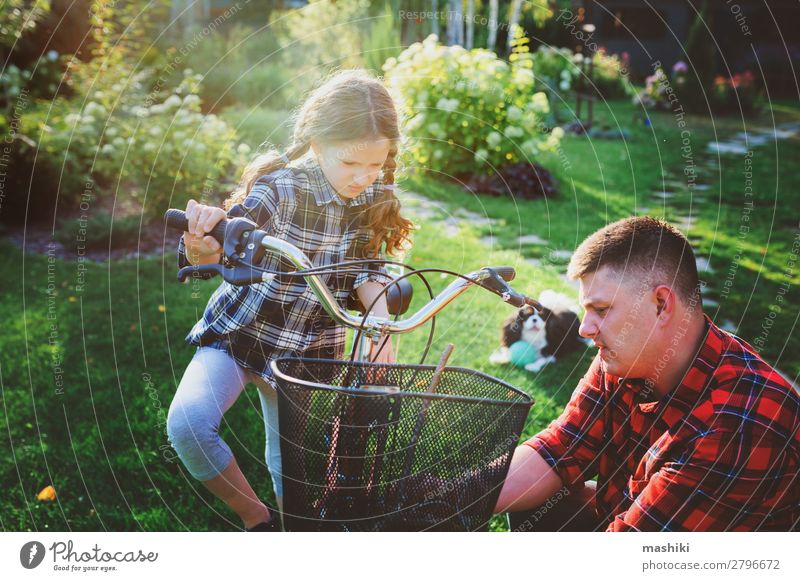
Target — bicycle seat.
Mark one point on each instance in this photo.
(398, 298)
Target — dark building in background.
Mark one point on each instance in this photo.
(756, 35)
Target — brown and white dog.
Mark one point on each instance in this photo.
(551, 332)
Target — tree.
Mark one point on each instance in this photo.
(18, 17)
(470, 24)
(455, 23)
(513, 21)
(701, 54)
(493, 23)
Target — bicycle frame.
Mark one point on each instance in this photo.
(244, 246)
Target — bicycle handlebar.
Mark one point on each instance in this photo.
(227, 233)
(177, 220)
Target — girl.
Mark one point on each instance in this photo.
(331, 195)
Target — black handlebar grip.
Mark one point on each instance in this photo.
(507, 273)
(177, 219)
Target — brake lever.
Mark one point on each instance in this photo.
(238, 275)
(500, 287)
(199, 271)
(242, 250)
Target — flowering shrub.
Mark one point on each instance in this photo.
(41, 80)
(560, 69)
(735, 94)
(653, 96)
(556, 67)
(610, 74)
(727, 95)
(158, 144)
(464, 107)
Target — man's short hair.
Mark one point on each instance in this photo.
(641, 246)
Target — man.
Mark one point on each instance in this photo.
(684, 425)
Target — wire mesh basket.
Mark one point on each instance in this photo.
(366, 447)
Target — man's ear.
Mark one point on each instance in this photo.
(664, 298)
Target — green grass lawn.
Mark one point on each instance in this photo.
(91, 358)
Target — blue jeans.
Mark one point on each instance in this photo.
(210, 385)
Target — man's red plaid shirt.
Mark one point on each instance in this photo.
(721, 452)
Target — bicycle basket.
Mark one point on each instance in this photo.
(366, 448)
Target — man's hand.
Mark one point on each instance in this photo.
(200, 248)
(530, 482)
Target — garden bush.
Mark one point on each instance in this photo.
(610, 75)
(469, 111)
(112, 125)
(157, 144)
(522, 181)
(737, 94)
(557, 68)
(560, 70)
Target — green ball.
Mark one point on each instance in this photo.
(522, 353)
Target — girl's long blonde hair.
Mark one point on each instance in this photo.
(350, 106)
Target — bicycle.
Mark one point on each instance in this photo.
(371, 447)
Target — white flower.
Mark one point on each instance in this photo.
(530, 148)
(112, 131)
(512, 132)
(540, 103)
(558, 133)
(438, 154)
(494, 139)
(119, 142)
(172, 101)
(52, 55)
(92, 107)
(243, 149)
(448, 105)
(514, 113)
(149, 146)
(565, 75)
(182, 117)
(436, 130)
(191, 99)
(72, 119)
(564, 85)
(481, 155)
(155, 130)
(107, 149)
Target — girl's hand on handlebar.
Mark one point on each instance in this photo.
(200, 248)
